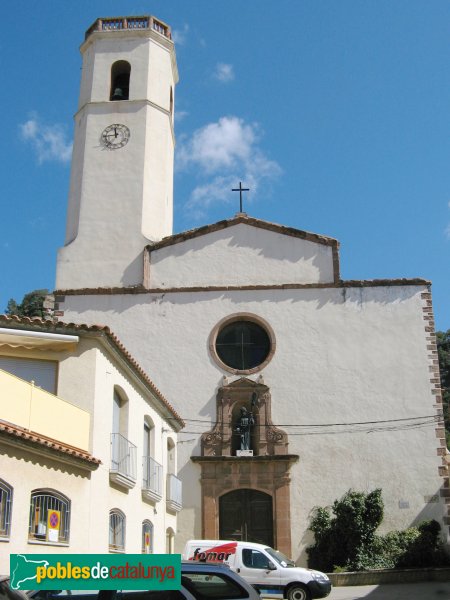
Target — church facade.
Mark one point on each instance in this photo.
(341, 377)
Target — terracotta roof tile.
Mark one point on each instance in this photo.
(42, 440)
(243, 218)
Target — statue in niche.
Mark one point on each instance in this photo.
(243, 426)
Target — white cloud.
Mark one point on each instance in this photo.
(224, 72)
(49, 141)
(180, 115)
(219, 145)
(224, 153)
(179, 35)
(29, 129)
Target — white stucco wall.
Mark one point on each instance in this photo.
(119, 199)
(107, 496)
(241, 255)
(343, 355)
(27, 472)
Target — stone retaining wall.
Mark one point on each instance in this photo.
(377, 577)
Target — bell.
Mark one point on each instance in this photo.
(118, 94)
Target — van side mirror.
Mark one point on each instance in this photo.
(271, 566)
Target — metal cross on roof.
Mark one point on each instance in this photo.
(240, 189)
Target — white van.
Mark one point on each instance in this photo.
(267, 570)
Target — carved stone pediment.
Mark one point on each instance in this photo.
(266, 439)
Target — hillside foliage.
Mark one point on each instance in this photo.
(443, 345)
(346, 540)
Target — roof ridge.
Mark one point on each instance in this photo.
(245, 219)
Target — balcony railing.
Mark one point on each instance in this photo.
(123, 461)
(121, 23)
(152, 480)
(173, 493)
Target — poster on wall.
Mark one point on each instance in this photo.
(53, 525)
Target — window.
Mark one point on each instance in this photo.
(42, 372)
(123, 452)
(254, 559)
(120, 413)
(147, 538)
(171, 453)
(149, 437)
(49, 517)
(152, 595)
(204, 585)
(120, 80)
(151, 470)
(6, 493)
(242, 343)
(74, 594)
(173, 484)
(116, 531)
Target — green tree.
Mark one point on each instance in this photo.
(347, 539)
(416, 547)
(32, 305)
(443, 345)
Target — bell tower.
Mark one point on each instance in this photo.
(121, 187)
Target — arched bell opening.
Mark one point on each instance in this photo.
(120, 80)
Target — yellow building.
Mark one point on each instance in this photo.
(87, 445)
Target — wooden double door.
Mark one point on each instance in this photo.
(246, 515)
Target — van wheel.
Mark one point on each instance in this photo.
(298, 592)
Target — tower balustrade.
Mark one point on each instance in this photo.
(122, 23)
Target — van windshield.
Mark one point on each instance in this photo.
(280, 558)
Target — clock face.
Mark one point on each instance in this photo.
(115, 136)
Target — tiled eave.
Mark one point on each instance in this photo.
(243, 218)
(12, 435)
(140, 289)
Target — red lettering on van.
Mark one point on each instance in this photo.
(219, 553)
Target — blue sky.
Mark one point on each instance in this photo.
(335, 114)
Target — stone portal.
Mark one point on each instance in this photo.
(238, 490)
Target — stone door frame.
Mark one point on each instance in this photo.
(268, 474)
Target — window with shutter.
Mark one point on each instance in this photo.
(42, 372)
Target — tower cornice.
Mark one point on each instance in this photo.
(104, 28)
